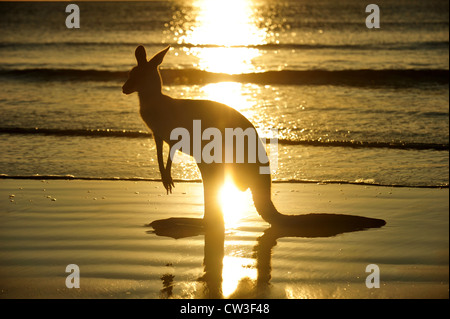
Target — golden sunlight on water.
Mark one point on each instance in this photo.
(223, 38)
(228, 28)
(229, 93)
(235, 269)
(226, 59)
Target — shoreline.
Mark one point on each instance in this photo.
(199, 181)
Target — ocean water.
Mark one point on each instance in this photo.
(351, 104)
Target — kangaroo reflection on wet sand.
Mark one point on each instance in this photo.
(315, 225)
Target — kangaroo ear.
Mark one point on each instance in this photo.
(158, 58)
(141, 55)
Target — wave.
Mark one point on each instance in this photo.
(137, 179)
(76, 132)
(142, 134)
(431, 45)
(357, 77)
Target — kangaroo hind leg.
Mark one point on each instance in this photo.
(213, 180)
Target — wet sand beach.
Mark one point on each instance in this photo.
(103, 228)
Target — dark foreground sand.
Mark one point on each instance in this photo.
(102, 226)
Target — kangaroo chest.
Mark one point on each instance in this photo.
(158, 121)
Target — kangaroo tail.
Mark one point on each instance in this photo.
(321, 223)
(262, 199)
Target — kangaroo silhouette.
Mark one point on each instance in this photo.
(162, 114)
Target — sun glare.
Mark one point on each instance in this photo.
(225, 29)
(234, 204)
(225, 23)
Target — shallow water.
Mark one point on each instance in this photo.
(350, 104)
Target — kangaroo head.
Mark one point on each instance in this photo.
(145, 76)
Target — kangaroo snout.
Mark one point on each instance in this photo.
(126, 89)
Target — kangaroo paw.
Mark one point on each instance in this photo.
(168, 182)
